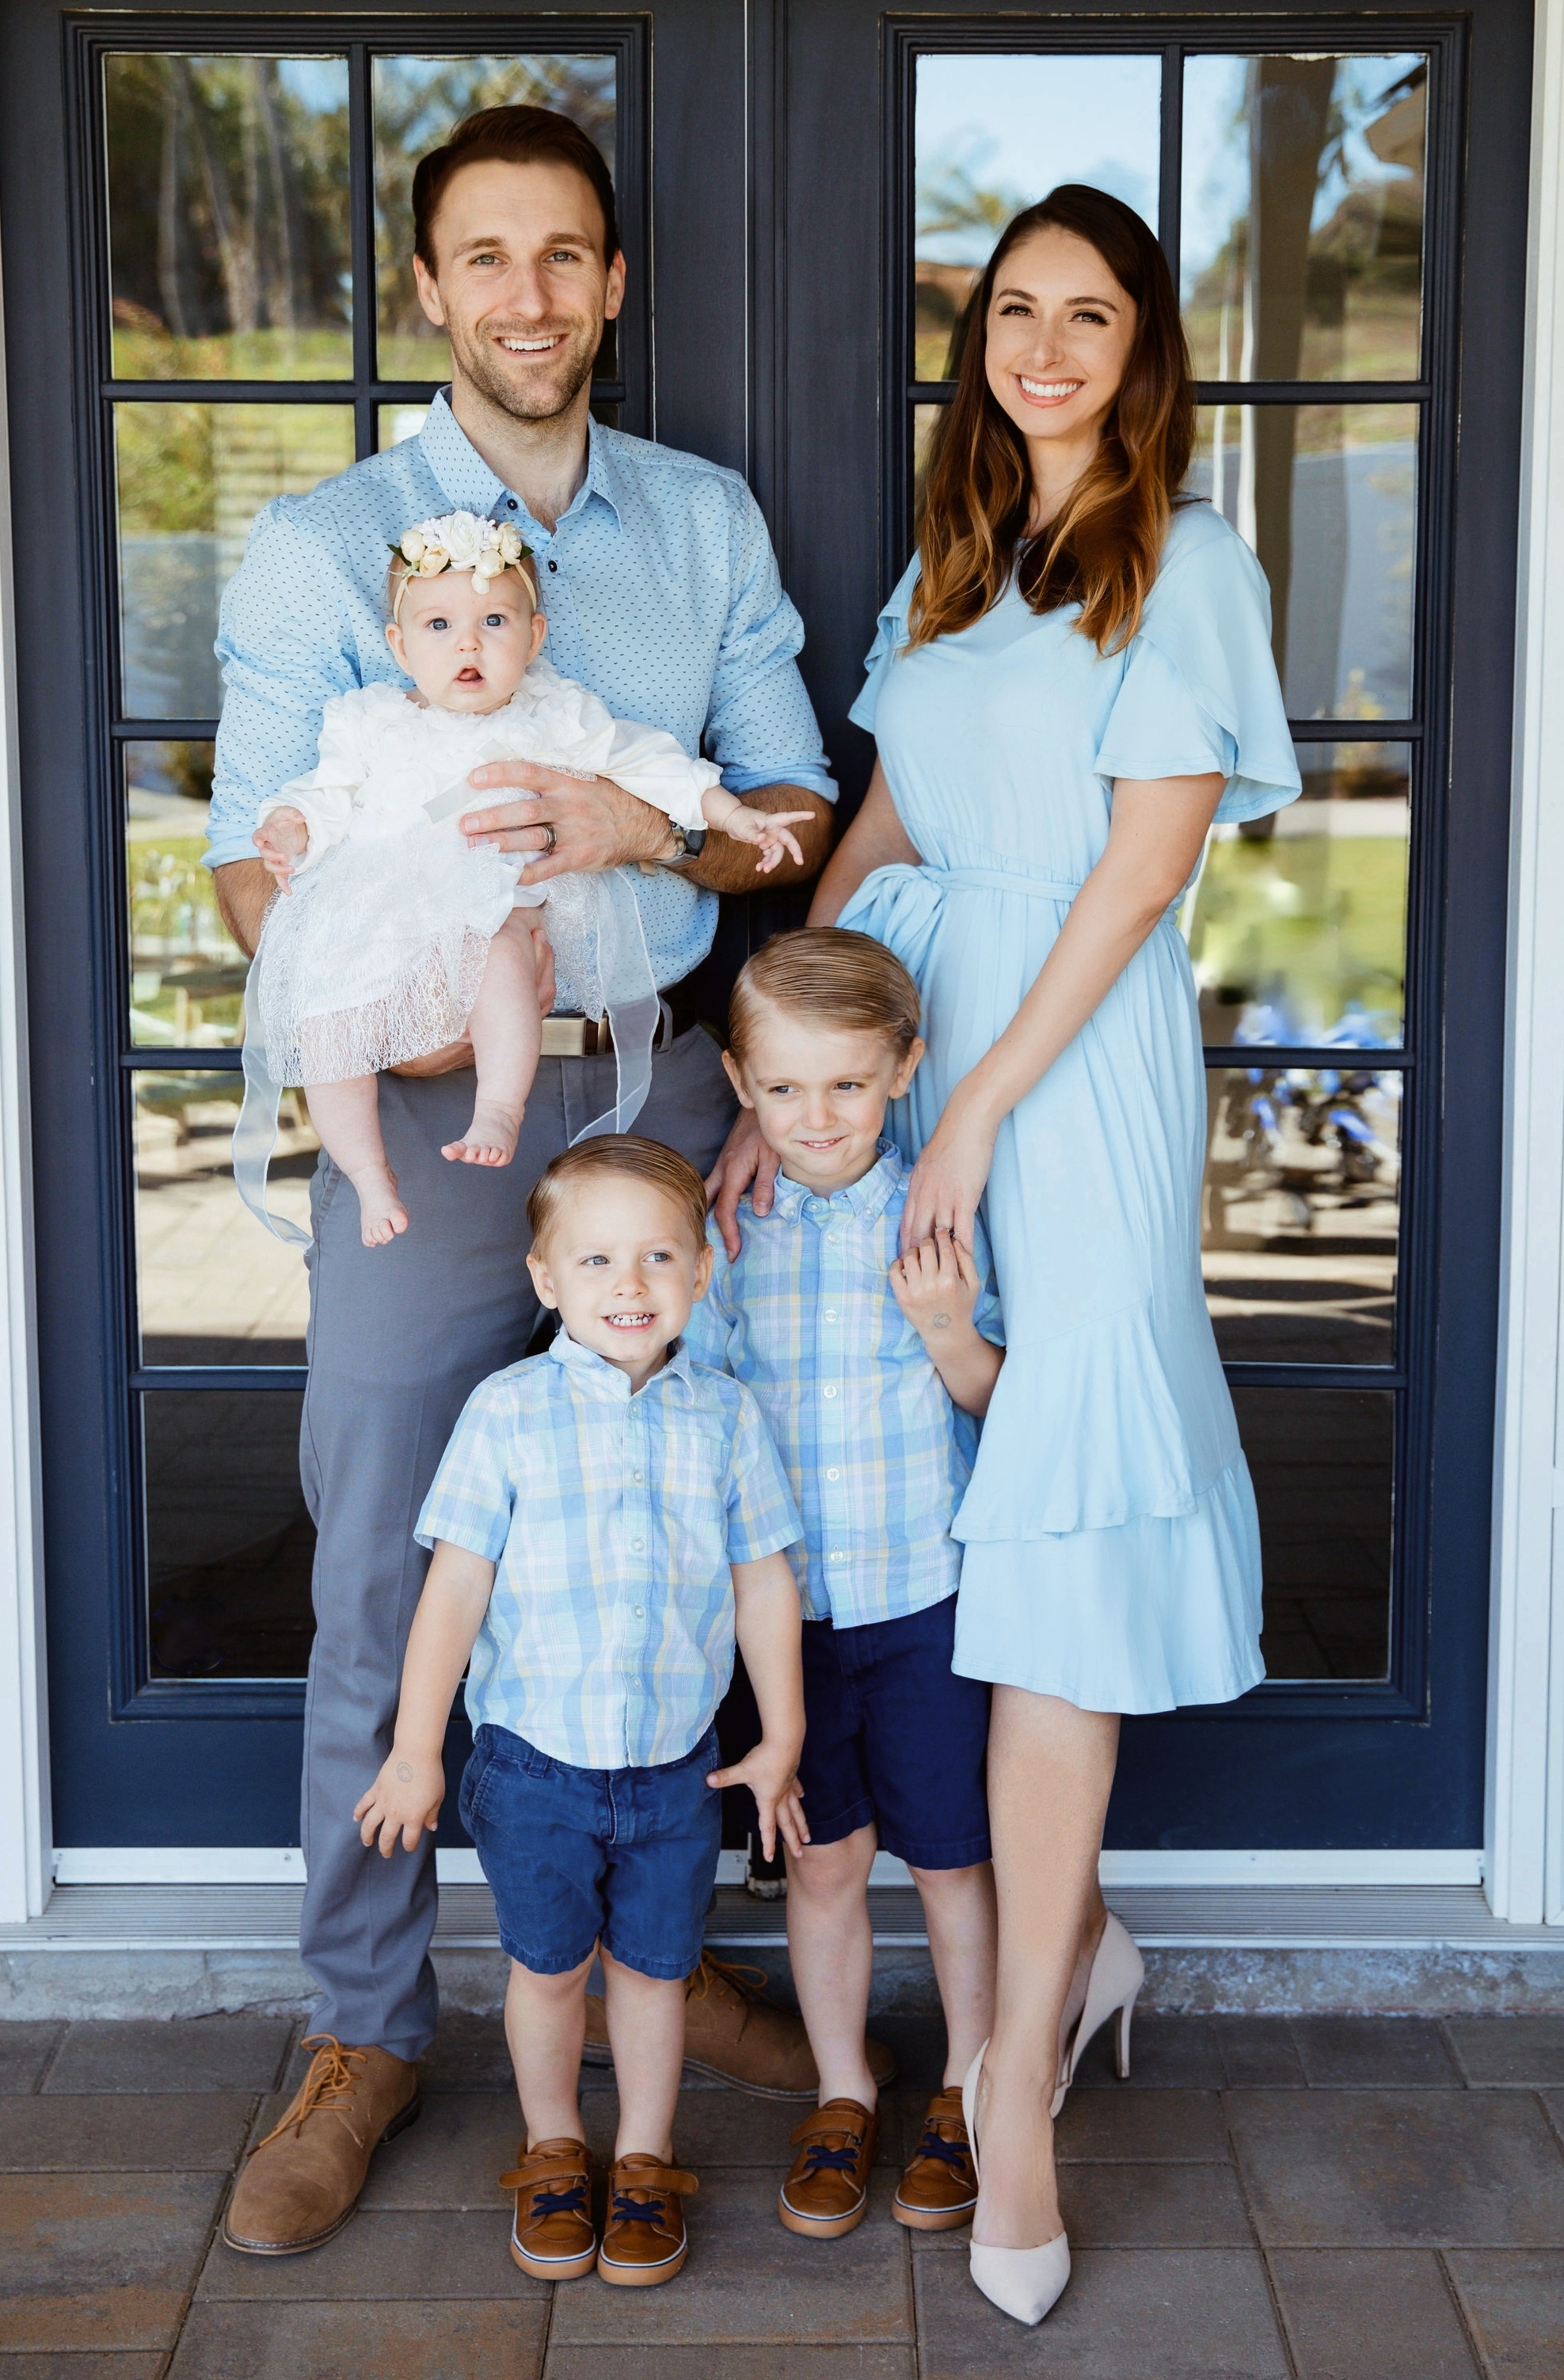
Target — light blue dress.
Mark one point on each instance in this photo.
(1112, 1552)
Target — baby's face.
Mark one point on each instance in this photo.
(819, 1097)
(462, 649)
(619, 1267)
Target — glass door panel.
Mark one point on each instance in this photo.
(1323, 1464)
(230, 1545)
(186, 974)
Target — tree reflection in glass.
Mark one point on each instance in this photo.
(227, 209)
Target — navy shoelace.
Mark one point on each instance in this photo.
(565, 2201)
(627, 2211)
(949, 2151)
(841, 2160)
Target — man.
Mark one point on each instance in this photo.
(663, 595)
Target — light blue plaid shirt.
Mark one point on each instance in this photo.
(662, 595)
(612, 1519)
(877, 1455)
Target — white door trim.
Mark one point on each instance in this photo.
(24, 1738)
(1525, 1799)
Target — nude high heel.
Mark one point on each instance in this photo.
(1023, 2282)
(1112, 1987)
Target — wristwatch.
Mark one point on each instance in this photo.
(689, 843)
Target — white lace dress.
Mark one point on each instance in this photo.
(376, 955)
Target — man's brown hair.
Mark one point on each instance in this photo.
(839, 979)
(626, 1155)
(509, 136)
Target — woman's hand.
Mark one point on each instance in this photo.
(744, 1163)
(951, 1175)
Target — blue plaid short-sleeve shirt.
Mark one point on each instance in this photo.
(612, 1519)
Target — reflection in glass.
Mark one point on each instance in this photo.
(186, 975)
(1297, 924)
(191, 479)
(1302, 228)
(227, 190)
(418, 104)
(212, 1286)
(1323, 1464)
(1300, 1213)
(230, 1547)
(1326, 495)
(995, 134)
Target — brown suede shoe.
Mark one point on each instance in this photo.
(733, 2031)
(826, 2191)
(643, 2240)
(303, 2181)
(938, 2190)
(551, 2237)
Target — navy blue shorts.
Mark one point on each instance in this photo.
(627, 1857)
(894, 1739)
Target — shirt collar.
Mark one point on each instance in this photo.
(606, 1376)
(468, 485)
(866, 1199)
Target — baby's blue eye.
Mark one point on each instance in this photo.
(436, 624)
(494, 620)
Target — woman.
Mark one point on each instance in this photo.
(1072, 681)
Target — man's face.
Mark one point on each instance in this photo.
(521, 286)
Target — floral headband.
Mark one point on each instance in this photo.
(462, 541)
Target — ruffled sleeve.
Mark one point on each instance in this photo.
(1200, 690)
(890, 635)
(325, 794)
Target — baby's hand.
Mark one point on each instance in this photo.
(936, 1286)
(766, 828)
(280, 839)
(404, 1801)
(771, 1777)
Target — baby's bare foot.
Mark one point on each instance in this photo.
(489, 1138)
(381, 1213)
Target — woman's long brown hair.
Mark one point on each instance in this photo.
(1104, 550)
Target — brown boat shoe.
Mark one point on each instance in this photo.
(643, 2239)
(303, 2181)
(551, 2237)
(734, 2032)
(938, 2190)
(826, 2191)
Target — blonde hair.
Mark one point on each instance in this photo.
(838, 979)
(626, 1157)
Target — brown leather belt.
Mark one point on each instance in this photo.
(589, 1037)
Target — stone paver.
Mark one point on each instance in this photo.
(1266, 2199)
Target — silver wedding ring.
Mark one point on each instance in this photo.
(548, 849)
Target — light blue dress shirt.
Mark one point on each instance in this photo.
(613, 1520)
(662, 595)
(877, 1455)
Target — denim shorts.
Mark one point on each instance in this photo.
(894, 1739)
(575, 1857)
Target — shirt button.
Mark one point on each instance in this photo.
(637, 1478)
(837, 1554)
(638, 1544)
(830, 1392)
(554, 565)
(830, 1313)
(510, 503)
(641, 1611)
(833, 1473)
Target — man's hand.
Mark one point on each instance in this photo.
(771, 1775)
(403, 1803)
(744, 1163)
(596, 823)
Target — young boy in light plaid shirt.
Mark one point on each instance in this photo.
(606, 1518)
(870, 1368)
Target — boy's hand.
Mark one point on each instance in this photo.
(936, 1286)
(771, 1777)
(404, 1801)
(281, 840)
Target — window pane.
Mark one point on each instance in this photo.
(212, 1285)
(191, 479)
(417, 103)
(227, 190)
(1303, 216)
(230, 1547)
(1323, 1464)
(1300, 1214)
(1326, 495)
(994, 135)
(1298, 926)
(187, 977)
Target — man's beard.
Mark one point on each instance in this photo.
(571, 370)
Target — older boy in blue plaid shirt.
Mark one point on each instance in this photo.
(605, 1520)
(871, 1368)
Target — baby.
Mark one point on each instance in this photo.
(402, 937)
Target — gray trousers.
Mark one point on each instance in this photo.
(400, 1337)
